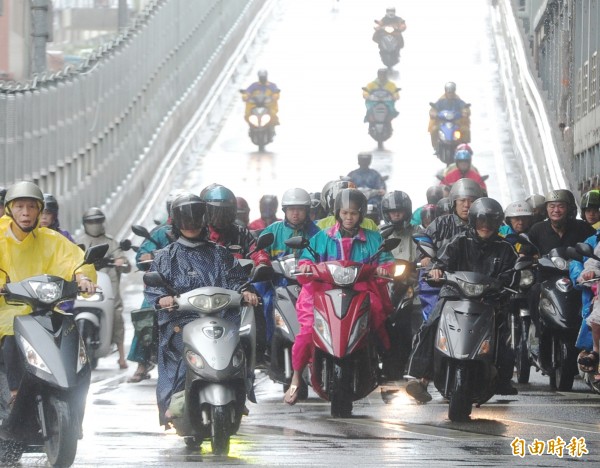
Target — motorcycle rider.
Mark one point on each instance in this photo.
(27, 251)
(243, 212)
(212, 264)
(427, 215)
(518, 219)
(268, 205)
(382, 82)
(443, 207)
(390, 19)
(316, 210)
(263, 87)
(396, 209)
(590, 208)
(328, 196)
(93, 220)
(442, 230)
(366, 178)
(345, 240)
(478, 249)
(463, 170)
(49, 217)
(433, 195)
(450, 101)
(537, 203)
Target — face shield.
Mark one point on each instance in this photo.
(94, 228)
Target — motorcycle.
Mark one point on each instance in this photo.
(467, 338)
(219, 358)
(94, 315)
(390, 43)
(261, 130)
(344, 365)
(552, 348)
(49, 406)
(378, 115)
(449, 133)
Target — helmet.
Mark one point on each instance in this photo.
(518, 208)
(462, 155)
(350, 198)
(434, 194)
(221, 206)
(242, 206)
(565, 196)
(330, 191)
(443, 207)
(536, 201)
(464, 188)
(590, 199)
(24, 189)
(2, 195)
(450, 87)
(50, 204)
(382, 74)
(365, 157)
(428, 214)
(390, 12)
(262, 75)
(465, 146)
(268, 206)
(173, 194)
(187, 212)
(93, 222)
(396, 201)
(487, 209)
(295, 197)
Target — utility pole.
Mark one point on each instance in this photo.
(123, 15)
(41, 32)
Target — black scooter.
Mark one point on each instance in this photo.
(48, 410)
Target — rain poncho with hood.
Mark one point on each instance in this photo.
(186, 265)
(43, 251)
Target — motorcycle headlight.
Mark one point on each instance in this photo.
(399, 270)
(253, 119)
(471, 289)
(280, 322)
(526, 279)
(442, 342)
(238, 358)
(322, 328)
(564, 285)
(46, 292)
(195, 360)
(210, 303)
(560, 263)
(82, 358)
(289, 266)
(457, 134)
(32, 356)
(343, 276)
(547, 306)
(266, 118)
(358, 330)
(96, 297)
(389, 29)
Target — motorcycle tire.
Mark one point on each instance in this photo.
(220, 435)
(11, 452)
(86, 330)
(192, 442)
(522, 363)
(63, 431)
(460, 405)
(341, 402)
(564, 374)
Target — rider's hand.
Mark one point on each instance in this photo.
(425, 262)
(146, 256)
(119, 262)
(305, 268)
(588, 275)
(436, 274)
(85, 285)
(382, 272)
(167, 302)
(250, 298)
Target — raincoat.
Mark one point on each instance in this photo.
(330, 221)
(270, 90)
(186, 266)
(329, 245)
(43, 251)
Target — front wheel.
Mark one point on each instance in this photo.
(220, 430)
(459, 408)
(564, 373)
(341, 406)
(86, 330)
(62, 423)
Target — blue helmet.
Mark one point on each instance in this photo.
(221, 205)
(462, 155)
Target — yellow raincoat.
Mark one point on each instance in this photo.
(43, 251)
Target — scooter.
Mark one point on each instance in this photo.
(449, 133)
(261, 130)
(344, 365)
(94, 315)
(389, 44)
(467, 338)
(47, 412)
(552, 347)
(378, 115)
(219, 356)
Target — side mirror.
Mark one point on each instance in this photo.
(523, 263)
(390, 244)
(584, 249)
(261, 273)
(386, 230)
(485, 177)
(297, 242)
(125, 245)
(265, 240)
(573, 254)
(141, 231)
(95, 253)
(154, 279)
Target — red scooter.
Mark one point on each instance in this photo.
(345, 363)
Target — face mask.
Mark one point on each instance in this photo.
(94, 230)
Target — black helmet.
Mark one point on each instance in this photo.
(330, 191)
(590, 199)
(173, 194)
(382, 74)
(50, 204)
(242, 206)
(443, 207)
(463, 188)
(221, 206)
(396, 201)
(187, 212)
(365, 157)
(487, 209)
(434, 194)
(428, 214)
(93, 222)
(565, 196)
(268, 205)
(350, 198)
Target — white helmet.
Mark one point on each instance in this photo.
(295, 197)
(518, 208)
